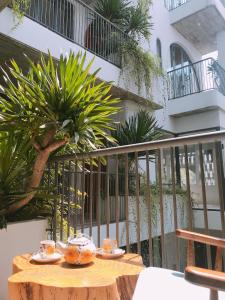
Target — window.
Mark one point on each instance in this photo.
(159, 50)
(179, 57)
(182, 79)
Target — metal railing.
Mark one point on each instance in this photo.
(173, 4)
(79, 23)
(193, 78)
(140, 194)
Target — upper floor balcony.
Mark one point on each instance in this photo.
(80, 24)
(61, 26)
(198, 21)
(196, 87)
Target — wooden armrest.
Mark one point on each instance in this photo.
(207, 278)
(201, 238)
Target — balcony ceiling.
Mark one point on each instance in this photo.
(201, 27)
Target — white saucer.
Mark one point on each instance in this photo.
(38, 257)
(117, 253)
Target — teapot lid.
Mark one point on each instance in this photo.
(80, 239)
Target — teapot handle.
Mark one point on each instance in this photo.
(81, 235)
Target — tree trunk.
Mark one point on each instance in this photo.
(4, 3)
(38, 171)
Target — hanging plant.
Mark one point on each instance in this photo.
(141, 65)
(135, 22)
(19, 7)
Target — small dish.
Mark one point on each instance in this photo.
(116, 253)
(42, 258)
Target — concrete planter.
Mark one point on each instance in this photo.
(18, 238)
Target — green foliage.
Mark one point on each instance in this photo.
(18, 7)
(15, 169)
(54, 104)
(139, 128)
(59, 96)
(113, 10)
(135, 22)
(141, 65)
(138, 21)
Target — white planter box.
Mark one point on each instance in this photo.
(18, 238)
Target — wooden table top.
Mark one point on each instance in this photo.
(103, 279)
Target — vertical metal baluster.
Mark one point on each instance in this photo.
(149, 206)
(161, 209)
(220, 182)
(99, 202)
(219, 166)
(75, 21)
(56, 4)
(62, 203)
(64, 17)
(91, 198)
(75, 195)
(55, 203)
(84, 21)
(83, 195)
(126, 203)
(60, 30)
(67, 21)
(117, 206)
(138, 227)
(46, 12)
(202, 174)
(107, 198)
(190, 213)
(48, 188)
(68, 204)
(175, 208)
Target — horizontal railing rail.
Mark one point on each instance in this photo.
(209, 137)
(140, 194)
(173, 4)
(79, 23)
(194, 78)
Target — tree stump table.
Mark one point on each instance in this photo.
(103, 279)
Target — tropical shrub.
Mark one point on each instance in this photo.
(53, 105)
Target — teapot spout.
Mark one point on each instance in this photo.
(61, 247)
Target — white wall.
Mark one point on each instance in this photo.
(156, 230)
(19, 238)
(197, 121)
(167, 35)
(190, 104)
(214, 219)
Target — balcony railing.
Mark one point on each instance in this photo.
(193, 78)
(79, 23)
(173, 4)
(140, 194)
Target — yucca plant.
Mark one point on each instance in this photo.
(139, 128)
(113, 10)
(55, 104)
(15, 168)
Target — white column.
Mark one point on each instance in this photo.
(221, 48)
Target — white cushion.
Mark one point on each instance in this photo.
(163, 284)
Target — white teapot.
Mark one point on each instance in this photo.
(79, 250)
